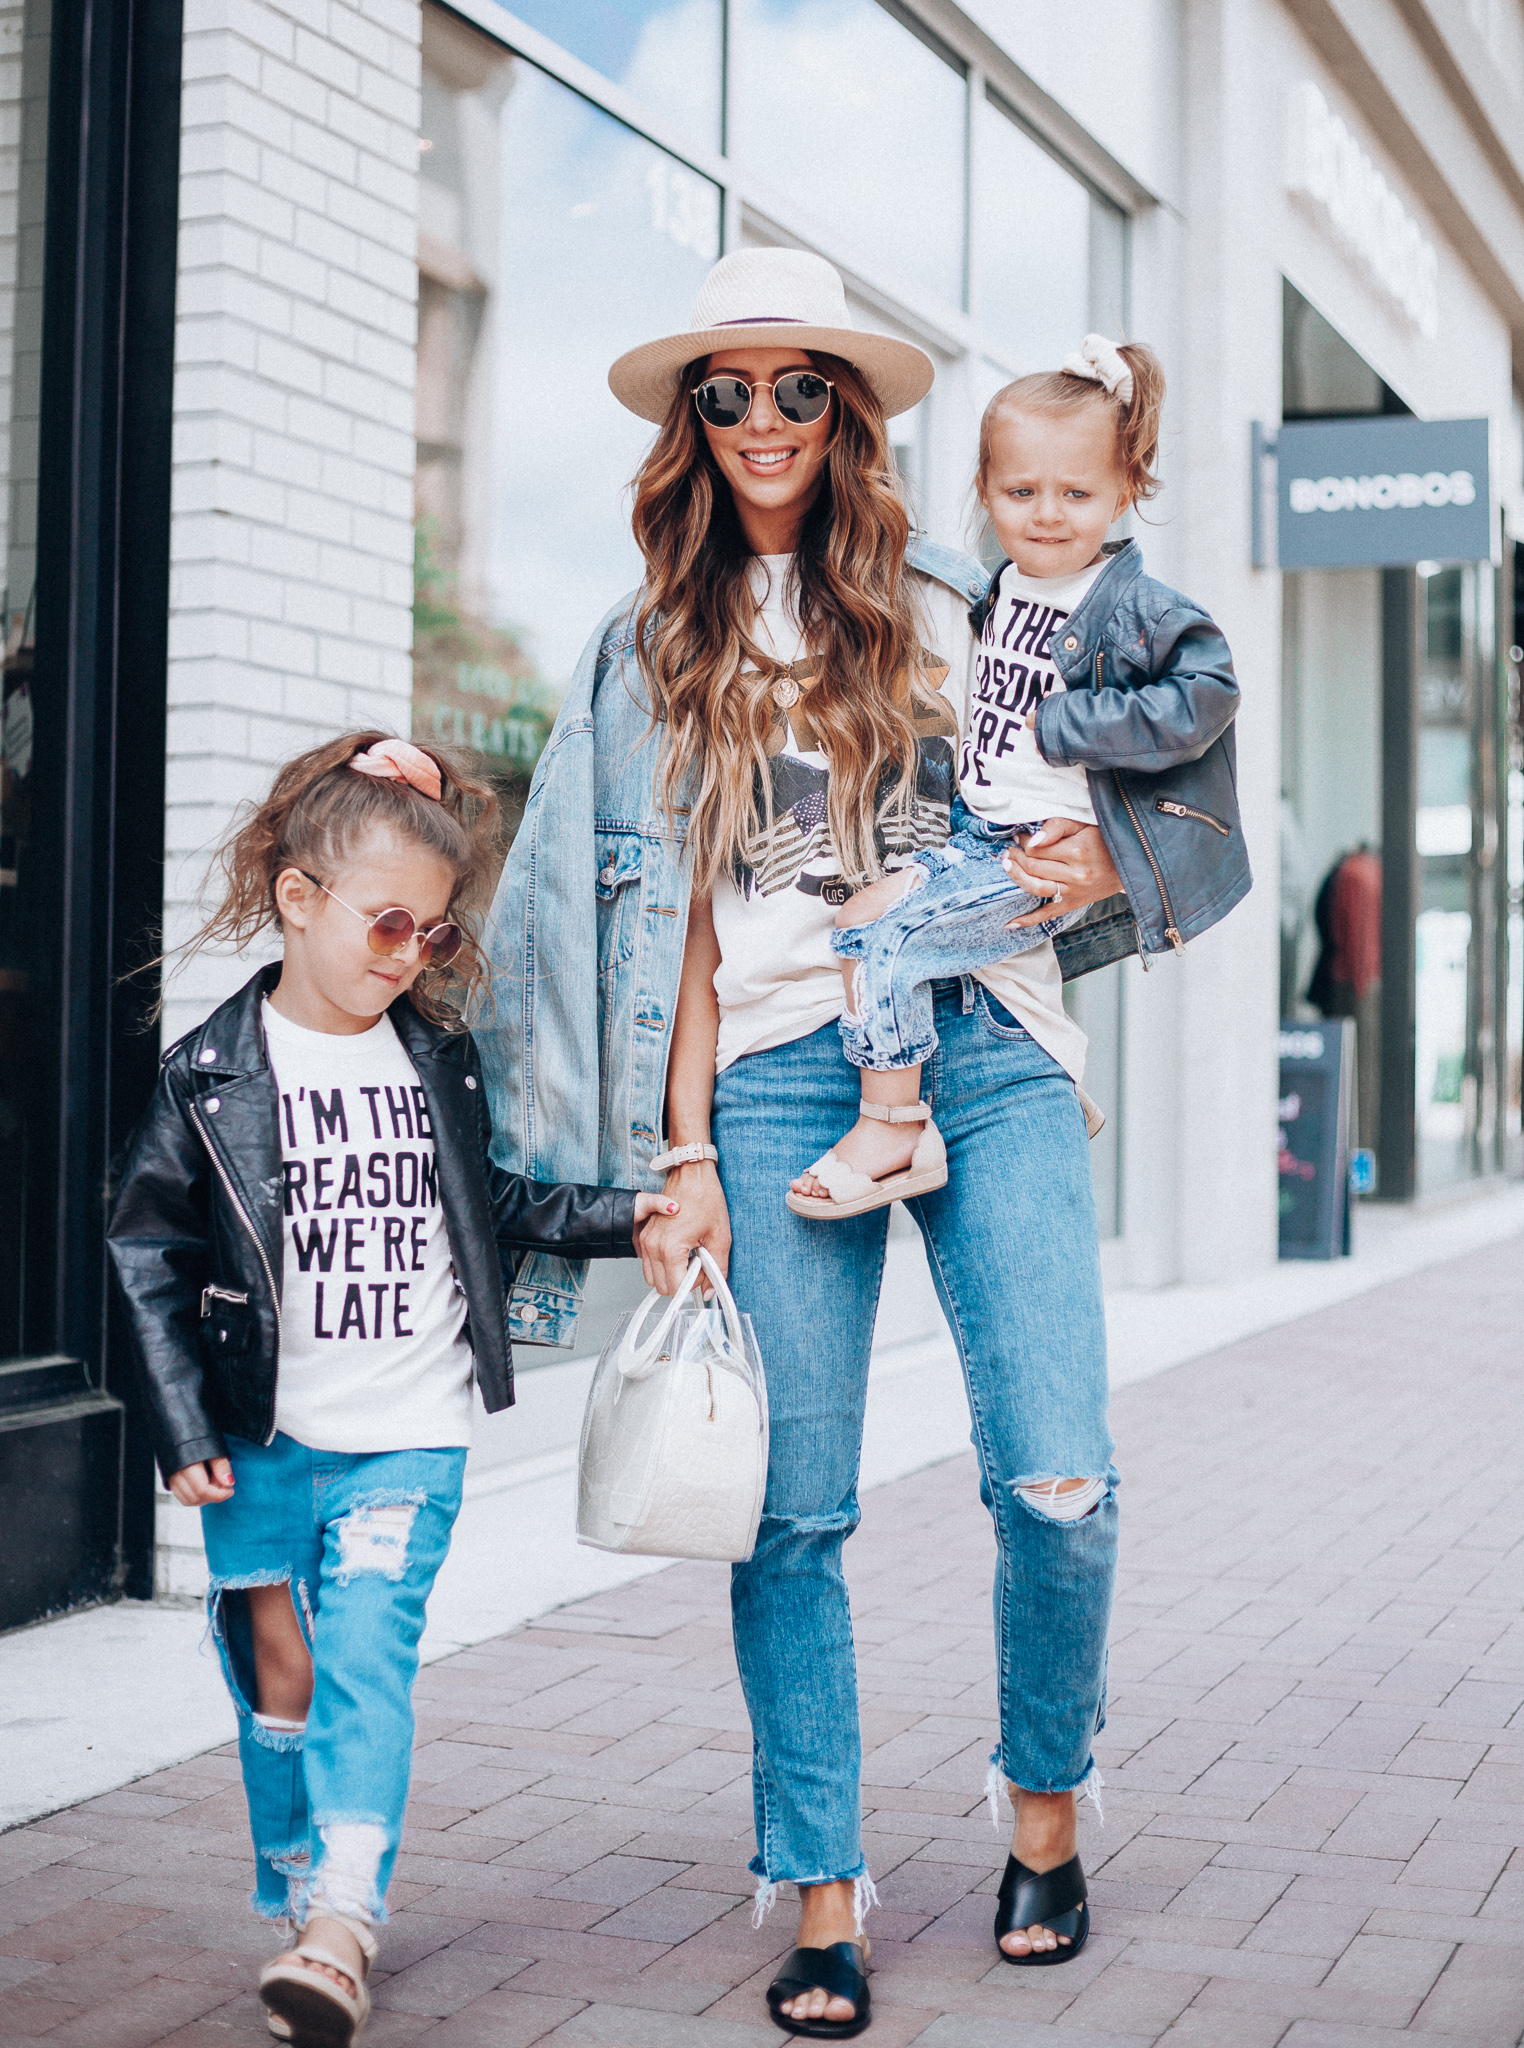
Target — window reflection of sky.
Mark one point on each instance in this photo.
(1034, 242)
(841, 107)
(666, 52)
(606, 242)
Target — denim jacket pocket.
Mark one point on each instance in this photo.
(619, 864)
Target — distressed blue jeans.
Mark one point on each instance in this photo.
(1012, 1246)
(359, 1538)
(956, 922)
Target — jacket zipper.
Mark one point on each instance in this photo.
(248, 1224)
(1171, 931)
(1184, 811)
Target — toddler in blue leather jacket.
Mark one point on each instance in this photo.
(1052, 738)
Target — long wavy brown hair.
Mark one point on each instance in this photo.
(316, 813)
(711, 684)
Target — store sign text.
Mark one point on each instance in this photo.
(1331, 175)
(1382, 491)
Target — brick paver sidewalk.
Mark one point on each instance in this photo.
(1315, 1800)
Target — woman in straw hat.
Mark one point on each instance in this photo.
(770, 721)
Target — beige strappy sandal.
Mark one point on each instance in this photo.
(851, 1193)
(317, 2012)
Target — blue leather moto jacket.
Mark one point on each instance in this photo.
(586, 933)
(1148, 711)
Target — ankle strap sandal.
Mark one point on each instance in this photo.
(317, 2012)
(850, 1193)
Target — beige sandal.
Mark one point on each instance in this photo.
(317, 2012)
(850, 1193)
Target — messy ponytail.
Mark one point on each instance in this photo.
(1064, 391)
(318, 811)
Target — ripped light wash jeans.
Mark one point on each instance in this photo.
(359, 1538)
(1012, 1246)
(956, 922)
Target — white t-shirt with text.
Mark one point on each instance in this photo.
(373, 1350)
(778, 979)
(1001, 775)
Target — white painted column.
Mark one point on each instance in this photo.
(1226, 1042)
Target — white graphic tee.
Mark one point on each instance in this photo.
(373, 1351)
(1001, 775)
(778, 979)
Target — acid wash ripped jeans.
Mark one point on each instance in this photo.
(955, 922)
(359, 1538)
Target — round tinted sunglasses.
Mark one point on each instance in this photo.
(389, 931)
(800, 396)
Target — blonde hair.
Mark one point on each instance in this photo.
(317, 812)
(1061, 392)
(711, 685)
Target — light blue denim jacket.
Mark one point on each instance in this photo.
(586, 938)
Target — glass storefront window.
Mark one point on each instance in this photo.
(1051, 254)
(23, 162)
(1448, 1067)
(862, 120)
(550, 237)
(668, 53)
(1330, 823)
(1321, 375)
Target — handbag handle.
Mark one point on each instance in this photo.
(639, 1357)
(727, 1300)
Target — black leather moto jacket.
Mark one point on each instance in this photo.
(197, 1230)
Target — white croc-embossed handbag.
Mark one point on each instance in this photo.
(673, 1460)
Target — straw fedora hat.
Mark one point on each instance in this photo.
(770, 298)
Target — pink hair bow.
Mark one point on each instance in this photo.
(401, 761)
(1102, 362)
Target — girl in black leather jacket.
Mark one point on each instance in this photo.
(314, 1246)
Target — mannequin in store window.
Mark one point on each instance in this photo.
(1346, 982)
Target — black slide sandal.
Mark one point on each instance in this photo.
(1055, 1900)
(835, 1970)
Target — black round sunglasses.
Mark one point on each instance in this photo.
(800, 396)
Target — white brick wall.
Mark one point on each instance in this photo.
(291, 591)
(292, 528)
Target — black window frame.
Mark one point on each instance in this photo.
(100, 702)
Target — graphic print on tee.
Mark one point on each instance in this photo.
(1013, 672)
(363, 1212)
(799, 832)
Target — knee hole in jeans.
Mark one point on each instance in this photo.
(1062, 1500)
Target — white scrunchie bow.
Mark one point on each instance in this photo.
(1101, 362)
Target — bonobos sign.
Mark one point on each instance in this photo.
(1378, 493)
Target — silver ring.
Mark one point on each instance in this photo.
(1057, 897)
